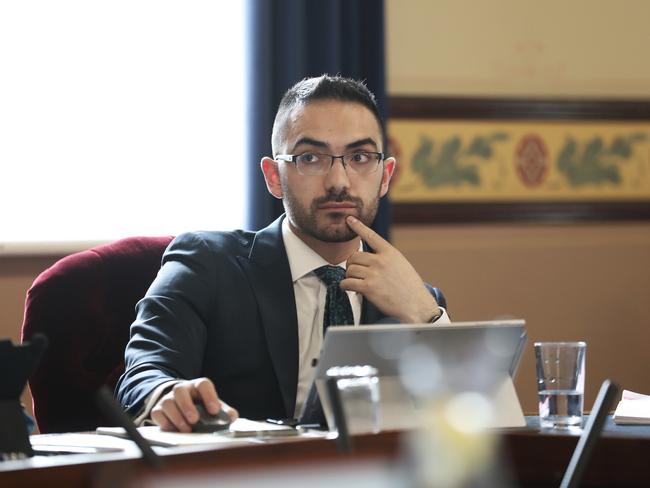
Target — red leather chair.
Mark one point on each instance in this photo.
(84, 304)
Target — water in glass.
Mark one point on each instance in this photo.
(560, 408)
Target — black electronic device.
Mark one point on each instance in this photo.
(17, 363)
(590, 434)
(210, 423)
(343, 439)
(107, 403)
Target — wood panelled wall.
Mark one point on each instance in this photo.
(586, 282)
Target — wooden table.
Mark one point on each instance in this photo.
(536, 459)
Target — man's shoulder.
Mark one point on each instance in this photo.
(227, 244)
(234, 241)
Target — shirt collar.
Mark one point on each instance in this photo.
(302, 258)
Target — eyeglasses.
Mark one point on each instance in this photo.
(316, 164)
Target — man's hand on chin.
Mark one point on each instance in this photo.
(387, 279)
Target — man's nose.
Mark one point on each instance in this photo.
(337, 178)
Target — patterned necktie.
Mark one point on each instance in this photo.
(338, 310)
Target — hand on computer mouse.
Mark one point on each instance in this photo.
(176, 410)
(210, 423)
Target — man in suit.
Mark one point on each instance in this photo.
(236, 319)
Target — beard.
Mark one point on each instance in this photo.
(331, 227)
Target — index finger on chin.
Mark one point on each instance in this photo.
(368, 235)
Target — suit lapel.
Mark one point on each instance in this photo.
(267, 268)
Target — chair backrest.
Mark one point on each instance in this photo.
(85, 304)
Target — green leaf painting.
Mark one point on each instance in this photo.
(593, 162)
(451, 162)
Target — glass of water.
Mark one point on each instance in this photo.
(359, 390)
(560, 383)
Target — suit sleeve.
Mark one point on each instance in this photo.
(437, 294)
(442, 303)
(168, 336)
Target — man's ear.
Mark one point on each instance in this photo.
(271, 176)
(387, 174)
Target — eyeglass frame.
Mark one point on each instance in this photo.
(293, 158)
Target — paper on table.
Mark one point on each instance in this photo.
(239, 431)
(79, 442)
(633, 409)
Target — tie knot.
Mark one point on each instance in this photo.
(330, 275)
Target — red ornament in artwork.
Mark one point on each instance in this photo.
(531, 160)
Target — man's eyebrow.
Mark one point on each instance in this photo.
(310, 142)
(321, 144)
(362, 142)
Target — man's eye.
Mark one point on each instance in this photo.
(360, 157)
(308, 158)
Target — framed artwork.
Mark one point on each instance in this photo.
(473, 160)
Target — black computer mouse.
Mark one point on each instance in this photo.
(210, 423)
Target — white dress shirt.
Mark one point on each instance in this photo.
(310, 293)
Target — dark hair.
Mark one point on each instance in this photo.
(323, 87)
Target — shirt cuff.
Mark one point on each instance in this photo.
(151, 401)
(444, 318)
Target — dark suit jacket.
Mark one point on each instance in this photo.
(222, 306)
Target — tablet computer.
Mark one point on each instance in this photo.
(462, 356)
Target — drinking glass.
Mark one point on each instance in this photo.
(560, 383)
